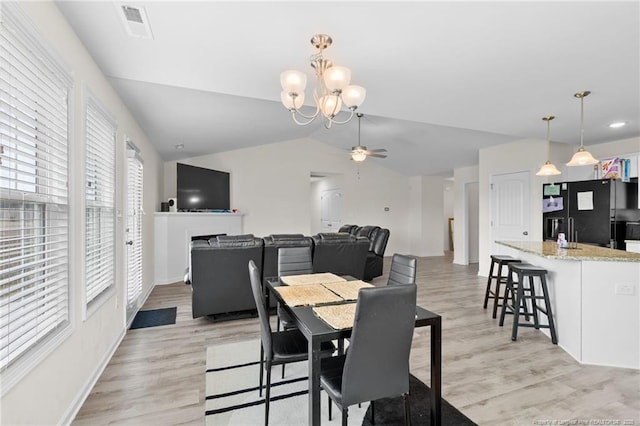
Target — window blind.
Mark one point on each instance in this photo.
(134, 230)
(34, 285)
(100, 163)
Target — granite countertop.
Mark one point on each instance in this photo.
(549, 249)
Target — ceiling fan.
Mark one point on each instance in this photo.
(360, 153)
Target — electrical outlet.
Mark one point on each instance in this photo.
(386, 209)
(625, 289)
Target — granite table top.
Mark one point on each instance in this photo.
(550, 250)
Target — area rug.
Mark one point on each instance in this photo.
(232, 395)
(154, 317)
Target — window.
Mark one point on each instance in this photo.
(100, 163)
(34, 255)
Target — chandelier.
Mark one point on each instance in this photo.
(331, 93)
(582, 157)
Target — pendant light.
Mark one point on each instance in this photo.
(548, 169)
(582, 157)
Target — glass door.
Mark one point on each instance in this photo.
(133, 230)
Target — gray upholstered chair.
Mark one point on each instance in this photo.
(273, 243)
(403, 270)
(292, 261)
(377, 362)
(278, 347)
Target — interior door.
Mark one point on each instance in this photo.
(331, 210)
(510, 208)
(133, 231)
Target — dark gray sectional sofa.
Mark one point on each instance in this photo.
(219, 276)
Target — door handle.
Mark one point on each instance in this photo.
(525, 233)
(129, 243)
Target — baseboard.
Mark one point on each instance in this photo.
(73, 410)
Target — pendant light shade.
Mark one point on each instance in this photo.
(548, 169)
(582, 157)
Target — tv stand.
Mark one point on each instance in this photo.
(174, 232)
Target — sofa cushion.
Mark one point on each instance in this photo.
(369, 232)
(348, 228)
(286, 237)
(334, 237)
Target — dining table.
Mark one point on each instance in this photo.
(317, 330)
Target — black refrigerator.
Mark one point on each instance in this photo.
(599, 210)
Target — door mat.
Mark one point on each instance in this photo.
(154, 317)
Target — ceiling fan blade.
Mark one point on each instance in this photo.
(376, 155)
(378, 150)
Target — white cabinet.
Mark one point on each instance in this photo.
(173, 233)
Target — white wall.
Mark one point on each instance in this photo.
(60, 382)
(461, 177)
(447, 210)
(270, 186)
(472, 193)
(432, 243)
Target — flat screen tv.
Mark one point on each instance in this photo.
(201, 189)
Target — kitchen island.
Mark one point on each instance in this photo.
(594, 297)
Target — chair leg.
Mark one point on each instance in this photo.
(330, 404)
(407, 409)
(488, 290)
(261, 368)
(496, 294)
(267, 395)
(508, 291)
(534, 303)
(373, 412)
(516, 312)
(345, 414)
(547, 305)
(283, 371)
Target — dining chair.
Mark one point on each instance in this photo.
(292, 261)
(278, 347)
(377, 362)
(403, 270)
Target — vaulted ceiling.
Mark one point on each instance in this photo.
(443, 79)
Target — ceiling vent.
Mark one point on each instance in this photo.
(134, 20)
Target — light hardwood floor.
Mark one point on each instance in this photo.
(156, 376)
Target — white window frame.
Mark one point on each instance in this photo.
(100, 203)
(35, 125)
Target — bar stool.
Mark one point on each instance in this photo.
(522, 291)
(500, 261)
